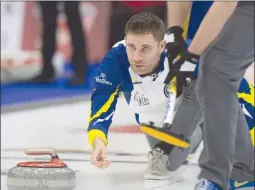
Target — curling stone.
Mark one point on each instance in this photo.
(51, 175)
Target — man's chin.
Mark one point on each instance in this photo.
(139, 71)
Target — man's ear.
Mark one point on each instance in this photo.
(162, 45)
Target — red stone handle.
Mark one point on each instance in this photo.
(42, 151)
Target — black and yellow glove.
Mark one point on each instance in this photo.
(175, 66)
(175, 43)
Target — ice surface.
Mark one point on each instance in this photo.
(64, 128)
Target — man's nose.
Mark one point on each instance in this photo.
(137, 57)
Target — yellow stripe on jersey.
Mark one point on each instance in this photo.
(105, 107)
(252, 131)
(90, 111)
(249, 98)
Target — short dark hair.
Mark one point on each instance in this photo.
(146, 22)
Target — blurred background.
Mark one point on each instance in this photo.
(50, 50)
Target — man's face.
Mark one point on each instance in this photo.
(143, 52)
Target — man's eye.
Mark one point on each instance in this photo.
(132, 47)
(145, 49)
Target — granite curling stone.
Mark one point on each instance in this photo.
(51, 175)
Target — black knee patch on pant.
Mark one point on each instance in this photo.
(167, 148)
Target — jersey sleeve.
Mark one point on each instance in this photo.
(104, 98)
(246, 92)
(246, 99)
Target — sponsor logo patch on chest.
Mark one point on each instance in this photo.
(140, 99)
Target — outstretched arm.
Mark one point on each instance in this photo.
(103, 104)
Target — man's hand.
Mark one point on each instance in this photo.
(175, 43)
(99, 155)
(176, 70)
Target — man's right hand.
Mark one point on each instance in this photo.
(99, 154)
